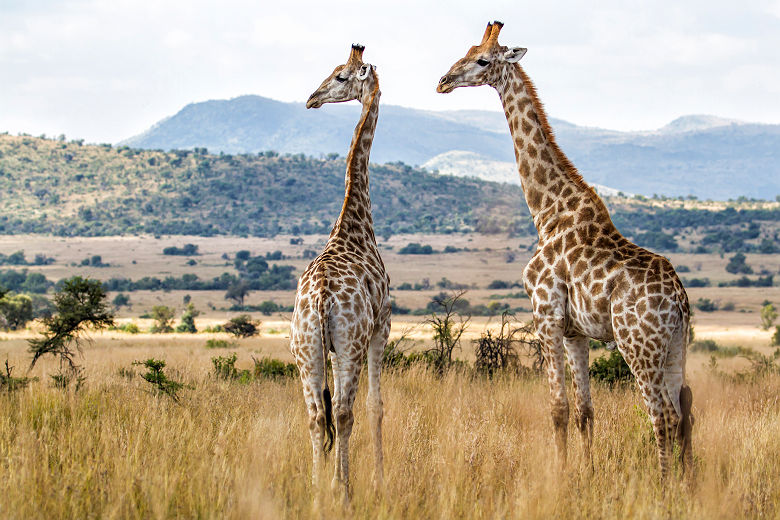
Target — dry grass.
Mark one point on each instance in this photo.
(456, 447)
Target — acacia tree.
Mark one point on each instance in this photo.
(237, 292)
(79, 305)
(448, 326)
(188, 319)
(163, 319)
(15, 310)
(768, 316)
(242, 326)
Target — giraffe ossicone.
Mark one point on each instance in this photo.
(585, 279)
(342, 306)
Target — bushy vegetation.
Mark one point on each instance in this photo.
(265, 368)
(242, 326)
(706, 305)
(276, 278)
(500, 352)
(611, 369)
(709, 346)
(9, 383)
(16, 310)
(185, 192)
(768, 316)
(161, 383)
(219, 343)
(24, 281)
(737, 265)
(185, 250)
(19, 258)
(415, 248)
(188, 316)
(163, 319)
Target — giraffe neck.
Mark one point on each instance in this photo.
(355, 221)
(552, 186)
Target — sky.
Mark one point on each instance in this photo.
(107, 70)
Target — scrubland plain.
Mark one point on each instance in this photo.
(457, 446)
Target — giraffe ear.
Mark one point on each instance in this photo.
(514, 54)
(364, 70)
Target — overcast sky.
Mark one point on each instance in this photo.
(107, 70)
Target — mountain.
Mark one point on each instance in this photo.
(701, 155)
(470, 164)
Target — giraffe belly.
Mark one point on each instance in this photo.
(589, 315)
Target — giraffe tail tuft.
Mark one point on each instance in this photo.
(330, 429)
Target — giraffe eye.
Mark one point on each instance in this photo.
(340, 79)
(483, 63)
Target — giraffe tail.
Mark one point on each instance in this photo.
(330, 429)
(685, 424)
(685, 428)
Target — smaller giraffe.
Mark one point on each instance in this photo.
(586, 280)
(342, 306)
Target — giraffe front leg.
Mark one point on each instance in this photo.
(578, 354)
(550, 330)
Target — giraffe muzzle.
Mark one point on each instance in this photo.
(445, 86)
(313, 102)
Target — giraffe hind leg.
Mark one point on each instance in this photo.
(374, 404)
(578, 355)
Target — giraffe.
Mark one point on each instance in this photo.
(585, 279)
(342, 306)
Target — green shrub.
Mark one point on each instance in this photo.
(63, 379)
(214, 328)
(10, 383)
(709, 346)
(768, 316)
(188, 319)
(242, 326)
(415, 248)
(219, 343)
(706, 305)
(273, 368)
(225, 367)
(611, 370)
(161, 383)
(130, 328)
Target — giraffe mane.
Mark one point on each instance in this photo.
(568, 167)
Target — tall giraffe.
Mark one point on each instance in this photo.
(342, 306)
(585, 279)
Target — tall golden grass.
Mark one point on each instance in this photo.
(455, 447)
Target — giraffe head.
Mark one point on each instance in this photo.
(346, 82)
(484, 64)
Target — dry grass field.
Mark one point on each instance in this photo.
(458, 446)
(455, 447)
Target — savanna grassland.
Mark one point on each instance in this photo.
(458, 446)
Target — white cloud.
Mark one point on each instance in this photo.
(106, 70)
